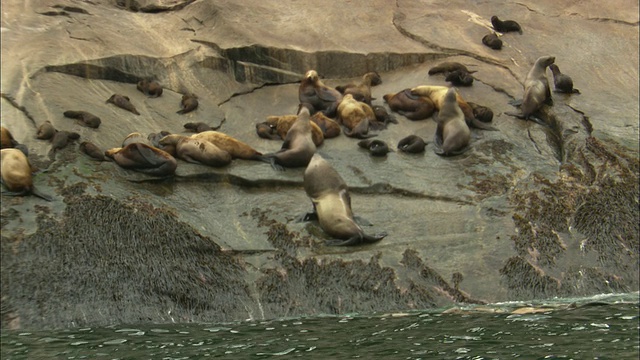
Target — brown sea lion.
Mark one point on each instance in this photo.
(321, 97)
(562, 82)
(154, 140)
(61, 139)
(122, 102)
(282, 124)
(411, 106)
(17, 174)
(298, 146)
(452, 134)
(377, 148)
(84, 118)
(6, 139)
(329, 195)
(188, 103)
(92, 150)
(235, 147)
(45, 131)
(536, 91)
(135, 137)
(382, 116)
(150, 88)
(267, 131)
(197, 151)
(362, 91)
(412, 144)
(447, 67)
(481, 112)
(505, 26)
(143, 158)
(330, 128)
(459, 78)
(356, 116)
(493, 41)
(199, 127)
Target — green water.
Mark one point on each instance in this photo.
(603, 327)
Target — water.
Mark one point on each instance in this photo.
(604, 327)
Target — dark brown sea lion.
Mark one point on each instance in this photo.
(135, 137)
(150, 88)
(298, 146)
(447, 67)
(459, 78)
(329, 195)
(481, 112)
(235, 147)
(330, 128)
(493, 41)
(199, 127)
(377, 148)
(536, 91)
(562, 82)
(154, 139)
(412, 144)
(356, 116)
(122, 102)
(282, 124)
(452, 134)
(143, 158)
(382, 116)
(188, 103)
(267, 131)
(6, 139)
(411, 106)
(315, 92)
(362, 91)
(45, 131)
(505, 26)
(197, 151)
(17, 174)
(92, 150)
(84, 118)
(61, 139)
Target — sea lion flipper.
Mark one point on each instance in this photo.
(515, 102)
(361, 221)
(355, 240)
(37, 193)
(480, 125)
(310, 216)
(148, 155)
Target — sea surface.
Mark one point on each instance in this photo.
(599, 327)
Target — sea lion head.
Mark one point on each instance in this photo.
(312, 76)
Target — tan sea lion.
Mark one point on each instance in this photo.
(92, 150)
(315, 92)
(282, 124)
(188, 103)
(412, 144)
(447, 67)
(17, 174)
(411, 106)
(493, 41)
(536, 91)
(505, 26)
(197, 151)
(135, 137)
(122, 102)
(362, 91)
(150, 88)
(45, 131)
(356, 116)
(562, 82)
(329, 195)
(298, 146)
(330, 128)
(143, 158)
(6, 139)
(235, 147)
(452, 133)
(376, 148)
(84, 118)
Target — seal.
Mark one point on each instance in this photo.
(321, 97)
(329, 127)
(493, 41)
(411, 106)
(362, 91)
(61, 139)
(412, 144)
(150, 88)
(84, 118)
(282, 124)
(459, 78)
(562, 82)
(45, 131)
(197, 151)
(135, 137)
(199, 127)
(329, 195)
(377, 148)
(356, 116)
(481, 112)
(536, 91)
(505, 26)
(235, 147)
(447, 67)
(298, 146)
(452, 133)
(92, 150)
(143, 158)
(16, 174)
(188, 103)
(122, 102)
(6, 139)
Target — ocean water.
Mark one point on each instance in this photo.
(601, 327)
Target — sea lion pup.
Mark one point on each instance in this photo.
(356, 116)
(437, 95)
(150, 88)
(6, 139)
(459, 78)
(197, 151)
(235, 147)
(266, 131)
(45, 131)
(61, 139)
(505, 26)
(321, 97)
(135, 137)
(84, 118)
(362, 91)
(298, 146)
(188, 103)
(199, 127)
(382, 116)
(412, 144)
(282, 124)
(449, 66)
(143, 158)
(16, 172)
(493, 41)
(536, 91)
(332, 205)
(411, 106)
(376, 147)
(92, 150)
(481, 112)
(330, 128)
(562, 82)
(452, 133)
(123, 102)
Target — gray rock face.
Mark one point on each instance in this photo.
(527, 212)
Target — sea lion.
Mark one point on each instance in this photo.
(437, 95)
(150, 88)
(154, 139)
(84, 118)
(235, 147)
(536, 91)
(188, 103)
(412, 144)
(92, 150)
(459, 78)
(17, 174)
(330, 128)
(298, 146)
(356, 116)
(562, 82)
(123, 102)
(382, 116)
(411, 106)
(6, 139)
(267, 131)
(45, 131)
(449, 66)
(143, 158)
(452, 133)
(505, 26)
(362, 91)
(135, 137)
(282, 124)
(493, 41)
(329, 195)
(196, 150)
(481, 112)
(199, 127)
(321, 97)
(61, 139)
(377, 148)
